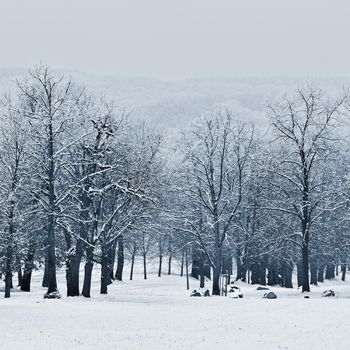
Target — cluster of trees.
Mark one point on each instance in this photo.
(270, 202)
(81, 183)
(76, 175)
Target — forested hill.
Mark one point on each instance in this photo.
(174, 103)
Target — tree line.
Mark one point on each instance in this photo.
(82, 183)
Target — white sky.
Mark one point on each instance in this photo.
(178, 38)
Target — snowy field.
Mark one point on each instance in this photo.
(159, 314)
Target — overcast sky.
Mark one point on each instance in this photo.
(178, 38)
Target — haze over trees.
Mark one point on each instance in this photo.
(83, 184)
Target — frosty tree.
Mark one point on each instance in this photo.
(48, 116)
(216, 159)
(303, 125)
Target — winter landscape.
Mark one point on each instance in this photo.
(174, 175)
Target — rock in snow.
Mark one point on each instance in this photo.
(235, 292)
(328, 293)
(197, 293)
(53, 295)
(270, 295)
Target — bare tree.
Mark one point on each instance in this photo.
(48, 114)
(217, 156)
(303, 126)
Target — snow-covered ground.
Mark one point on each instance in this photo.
(159, 314)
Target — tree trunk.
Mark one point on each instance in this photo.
(226, 266)
(132, 266)
(216, 280)
(272, 275)
(187, 274)
(258, 275)
(51, 260)
(343, 272)
(111, 261)
(230, 270)
(287, 274)
(330, 271)
(313, 271)
(262, 272)
(73, 259)
(305, 256)
(255, 273)
(73, 267)
(320, 274)
(300, 273)
(201, 271)
(305, 224)
(9, 250)
(182, 265)
(120, 262)
(8, 269)
(144, 267)
(238, 265)
(245, 272)
(19, 271)
(51, 254)
(169, 264)
(19, 276)
(88, 272)
(45, 282)
(160, 265)
(28, 266)
(105, 272)
(207, 269)
(8, 283)
(216, 272)
(195, 264)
